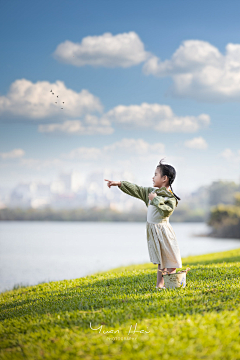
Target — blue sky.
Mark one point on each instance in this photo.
(141, 80)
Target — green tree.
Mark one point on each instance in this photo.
(222, 192)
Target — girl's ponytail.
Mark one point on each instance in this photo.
(174, 193)
(170, 172)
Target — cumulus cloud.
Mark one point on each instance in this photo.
(134, 146)
(158, 117)
(121, 50)
(84, 153)
(125, 147)
(230, 155)
(41, 164)
(200, 71)
(35, 101)
(90, 126)
(13, 154)
(26, 100)
(196, 143)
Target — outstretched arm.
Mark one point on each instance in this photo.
(137, 191)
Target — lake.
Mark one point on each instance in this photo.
(32, 252)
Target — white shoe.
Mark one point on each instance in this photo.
(160, 288)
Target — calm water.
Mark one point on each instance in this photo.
(34, 252)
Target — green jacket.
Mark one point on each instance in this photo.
(165, 201)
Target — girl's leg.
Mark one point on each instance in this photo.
(160, 279)
(171, 270)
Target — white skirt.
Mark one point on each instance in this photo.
(162, 244)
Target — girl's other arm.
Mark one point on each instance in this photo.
(164, 206)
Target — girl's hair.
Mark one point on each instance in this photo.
(170, 172)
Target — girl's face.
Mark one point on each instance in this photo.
(158, 180)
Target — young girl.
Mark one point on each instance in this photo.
(162, 243)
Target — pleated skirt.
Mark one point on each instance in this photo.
(162, 245)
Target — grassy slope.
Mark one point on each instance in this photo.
(201, 321)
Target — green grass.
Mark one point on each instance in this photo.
(201, 321)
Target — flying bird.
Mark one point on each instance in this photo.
(57, 95)
(61, 108)
(50, 90)
(63, 102)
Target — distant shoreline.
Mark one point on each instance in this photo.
(90, 214)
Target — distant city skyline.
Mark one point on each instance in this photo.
(71, 190)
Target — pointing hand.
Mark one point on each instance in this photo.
(113, 183)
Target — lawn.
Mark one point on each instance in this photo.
(119, 314)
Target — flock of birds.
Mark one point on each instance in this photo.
(57, 97)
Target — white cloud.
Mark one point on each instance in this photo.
(231, 156)
(13, 154)
(200, 71)
(41, 164)
(134, 146)
(84, 153)
(26, 100)
(90, 126)
(127, 151)
(227, 154)
(135, 156)
(158, 117)
(122, 50)
(124, 148)
(35, 101)
(196, 143)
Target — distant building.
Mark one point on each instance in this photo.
(74, 190)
